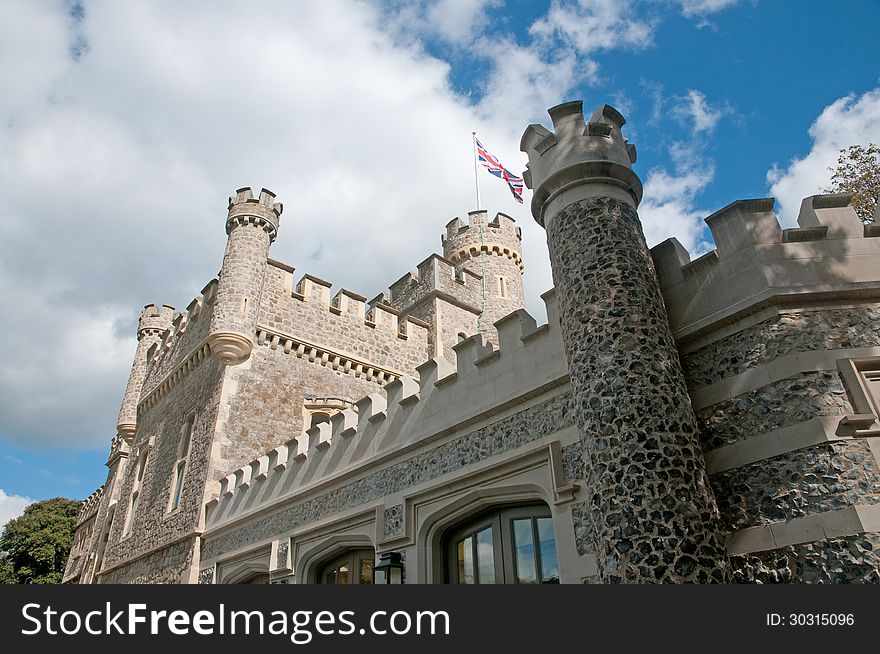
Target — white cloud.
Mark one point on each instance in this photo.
(692, 8)
(592, 25)
(526, 79)
(847, 121)
(668, 206)
(11, 506)
(459, 21)
(694, 109)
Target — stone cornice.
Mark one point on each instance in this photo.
(322, 355)
(181, 370)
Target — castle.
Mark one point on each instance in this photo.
(676, 420)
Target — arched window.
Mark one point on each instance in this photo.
(462, 337)
(352, 567)
(513, 545)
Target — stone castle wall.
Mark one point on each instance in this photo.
(343, 325)
(264, 402)
(764, 327)
(160, 423)
(766, 324)
(446, 299)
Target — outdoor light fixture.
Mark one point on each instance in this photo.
(389, 570)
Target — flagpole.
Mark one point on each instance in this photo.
(476, 176)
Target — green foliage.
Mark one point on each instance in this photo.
(35, 545)
(858, 172)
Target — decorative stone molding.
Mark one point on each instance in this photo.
(180, 371)
(324, 356)
(232, 348)
(852, 520)
(489, 248)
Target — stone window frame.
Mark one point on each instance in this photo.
(140, 472)
(858, 377)
(181, 463)
(502, 291)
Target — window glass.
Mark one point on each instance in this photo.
(486, 556)
(181, 471)
(366, 571)
(509, 545)
(466, 561)
(353, 567)
(547, 547)
(525, 551)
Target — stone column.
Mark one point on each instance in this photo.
(153, 324)
(652, 515)
(252, 226)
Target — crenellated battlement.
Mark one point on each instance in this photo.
(180, 344)
(90, 506)
(436, 275)
(262, 210)
(579, 153)
(155, 321)
(411, 411)
(501, 236)
(756, 263)
(378, 313)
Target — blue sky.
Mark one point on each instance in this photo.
(124, 126)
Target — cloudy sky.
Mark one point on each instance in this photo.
(124, 127)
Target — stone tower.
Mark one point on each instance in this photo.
(492, 250)
(252, 226)
(652, 513)
(153, 325)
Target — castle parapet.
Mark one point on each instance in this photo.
(500, 236)
(436, 276)
(756, 263)
(409, 412)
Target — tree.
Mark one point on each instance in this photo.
(35, 545)
(858, 172)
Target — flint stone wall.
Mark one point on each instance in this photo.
(505, 435)
(790, 331)
(793, 485)
(850, 560)
(780, 404)
(640, 433)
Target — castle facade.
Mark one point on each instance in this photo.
(675, 420)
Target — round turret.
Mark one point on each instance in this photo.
(492, 250)
(630, 402)
(153, 324)
(251, 225)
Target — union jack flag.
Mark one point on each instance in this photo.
(490, 161)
